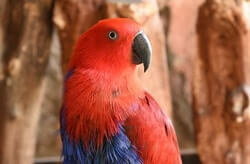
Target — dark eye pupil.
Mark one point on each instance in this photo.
(112, 35)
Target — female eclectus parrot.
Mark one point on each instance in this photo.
(107, 117)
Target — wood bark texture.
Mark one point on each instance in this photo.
(27, 29)
(220, 91)
(74, 17)
(182, 49)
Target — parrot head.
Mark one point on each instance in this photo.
(112, 45)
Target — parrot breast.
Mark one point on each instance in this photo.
(92, 132)
(116, 150)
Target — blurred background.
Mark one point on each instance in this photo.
(200, 72)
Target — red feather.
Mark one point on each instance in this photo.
(153, 134)
(94, 107)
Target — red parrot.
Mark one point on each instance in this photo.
(107, 117)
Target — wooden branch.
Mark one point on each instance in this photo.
(27, 33)
(220, 103)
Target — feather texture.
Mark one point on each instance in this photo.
(116, 150)
(153, 134)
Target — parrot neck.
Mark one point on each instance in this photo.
(96, 103)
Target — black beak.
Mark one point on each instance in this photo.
(141, 50)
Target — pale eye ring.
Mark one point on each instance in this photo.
(112, 35)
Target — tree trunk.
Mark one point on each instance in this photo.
(27, 29)
(220, 96)
(182, 49)
(74, 17)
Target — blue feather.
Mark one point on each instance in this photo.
(116, 150)
(68, 74)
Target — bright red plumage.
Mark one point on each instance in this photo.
(91, 96)
(104, 92)
(153, 134)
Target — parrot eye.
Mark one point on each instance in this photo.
(112, 35)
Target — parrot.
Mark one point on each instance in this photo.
(107, 117)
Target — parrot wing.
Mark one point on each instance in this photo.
(153, 134)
